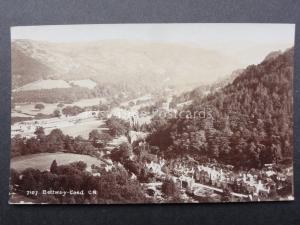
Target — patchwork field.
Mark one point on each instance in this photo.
(88, 102)
(82, 128)
(44, 84)
(84, 83)
(43, 161)
(29, 109)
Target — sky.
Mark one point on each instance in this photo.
(231, 39)
(188, 32)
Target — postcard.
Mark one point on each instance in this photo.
(151, 113)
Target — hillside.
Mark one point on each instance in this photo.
(87, 83)
(53, 84)
(117, 61)
(247, 123)
(26, 69)
(44, 84)
(201, 91)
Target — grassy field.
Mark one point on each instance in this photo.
(43, 161)
(82, 128)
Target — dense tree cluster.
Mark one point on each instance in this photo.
(55, 141)
(251, 122)
(170, 189)
(117, 126)
(133, 158)
(39, 106)
(111, 187)
(72, 110)
(38, 116)
(99, 139)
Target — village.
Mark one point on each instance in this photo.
(200, 181)
(196, 182)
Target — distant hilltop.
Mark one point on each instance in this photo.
(134, 63)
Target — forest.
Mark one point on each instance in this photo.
(251, 122)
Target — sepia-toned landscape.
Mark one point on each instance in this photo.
(151, 113)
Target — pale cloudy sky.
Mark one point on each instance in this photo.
(189, 32)
(232, 39)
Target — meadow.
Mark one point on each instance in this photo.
(42, 161)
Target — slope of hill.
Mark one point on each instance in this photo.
(54, 84)
(248, 123)
(26, 69)
(86, 83)
(204, 90)
(44, 84)
(117, 61)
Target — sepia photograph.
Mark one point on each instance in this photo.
(151, 113)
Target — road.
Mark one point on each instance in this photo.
(198, 186)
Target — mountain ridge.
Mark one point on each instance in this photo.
(116, 61)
